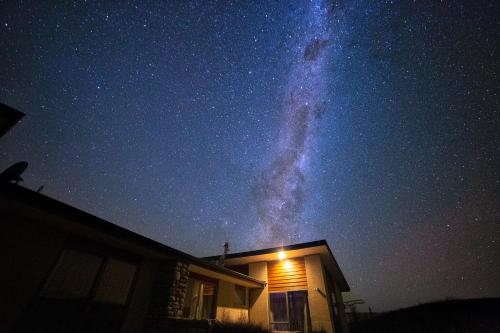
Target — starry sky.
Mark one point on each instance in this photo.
(371, 124)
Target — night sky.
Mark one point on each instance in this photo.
(373, 125)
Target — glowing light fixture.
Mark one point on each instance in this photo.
(281, 255)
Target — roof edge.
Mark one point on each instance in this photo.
(298, 246)
(53, 206)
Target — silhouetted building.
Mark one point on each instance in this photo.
(68, 271)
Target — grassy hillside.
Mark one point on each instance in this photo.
(454, 316)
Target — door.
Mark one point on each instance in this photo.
(289, 311)
(298, 310)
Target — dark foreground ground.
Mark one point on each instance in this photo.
(457, 316)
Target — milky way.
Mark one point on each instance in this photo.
(185, 121)
(281, 189)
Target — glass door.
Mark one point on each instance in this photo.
(289, 311)
(298, 310)
(279, 311)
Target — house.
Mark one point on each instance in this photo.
(65, 270)
(303, 290)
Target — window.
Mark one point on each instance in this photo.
(192, 300)
(289, 311)
(200, 298)
(241, 295)
(334, 303)
(85, 292)
(115, 282)
(76, 273)
(73, 276)
(208, 301)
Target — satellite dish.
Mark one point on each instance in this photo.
(13, 173)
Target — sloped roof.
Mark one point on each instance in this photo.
(71, 217)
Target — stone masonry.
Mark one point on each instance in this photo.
(168, 295)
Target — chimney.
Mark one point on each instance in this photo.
(222, 258)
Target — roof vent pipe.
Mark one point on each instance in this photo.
(222, 258)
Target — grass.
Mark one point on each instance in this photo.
(452, 316)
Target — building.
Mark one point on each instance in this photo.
(303, 290)
(65, 270)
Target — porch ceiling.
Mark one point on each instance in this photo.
(233, 277)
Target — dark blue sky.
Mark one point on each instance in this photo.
(170, 119)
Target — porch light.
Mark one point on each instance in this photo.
(281, 255)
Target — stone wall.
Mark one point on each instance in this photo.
(169, 291)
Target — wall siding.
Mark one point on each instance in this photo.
(259, 298)
(319, 308)
(288, 274)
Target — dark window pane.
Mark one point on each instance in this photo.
(297, 305)
(73, 276)
(334, 303)
(278, 307)
(241, 295)
(280, 327)
(115, 282)
(192, 299)
(199, 301)
(208, 300)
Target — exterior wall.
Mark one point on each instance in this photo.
(233, 315)
(259, 298)
(29, 251)
(227, 310)
(317, 291)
